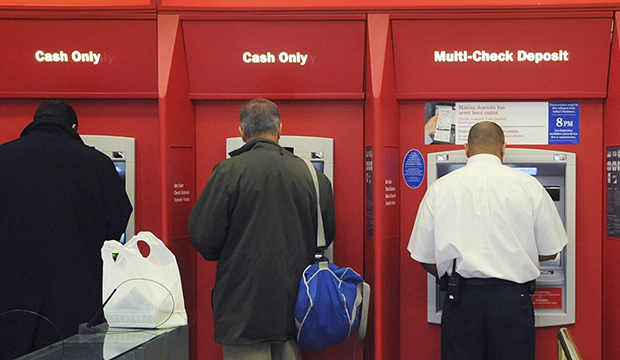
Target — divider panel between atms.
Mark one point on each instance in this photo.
(517, 78)
(313, 70)
(611, 249)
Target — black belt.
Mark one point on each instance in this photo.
(487, 282)
(530, 285)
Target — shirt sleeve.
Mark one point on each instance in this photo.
(422, 240)
(548, 228)
(208, 221)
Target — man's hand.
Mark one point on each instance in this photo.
(546, 257)
(431, 269)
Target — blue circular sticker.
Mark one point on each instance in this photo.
(413, 169)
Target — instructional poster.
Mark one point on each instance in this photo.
(524, 123)
(613, 192)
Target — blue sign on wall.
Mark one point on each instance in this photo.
(564, 123)
(413, 169)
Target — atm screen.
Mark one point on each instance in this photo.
(319, 164)
(534, 169)
(530, 170)
(120, 168)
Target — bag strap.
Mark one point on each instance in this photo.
(364, 288)
(320, 233)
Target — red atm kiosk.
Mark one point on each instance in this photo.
(106, 69)
(493, 59)
(312, 67)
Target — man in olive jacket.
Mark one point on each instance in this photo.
(59, 201)
(257, 217)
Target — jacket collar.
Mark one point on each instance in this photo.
(254, 143)
(51, 125)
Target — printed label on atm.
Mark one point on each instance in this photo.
(547, 298)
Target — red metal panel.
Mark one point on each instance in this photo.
(275, 57)
(507, 58)
(77, 3)
(611, 246)
(383, 196)
(374, 3)
(79, 58)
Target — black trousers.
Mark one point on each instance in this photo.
(494, 320)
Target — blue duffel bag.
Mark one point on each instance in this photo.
(332, 303)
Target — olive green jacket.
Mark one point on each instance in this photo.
(257, 217)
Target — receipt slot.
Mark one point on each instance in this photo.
(319, 150)
(554, 300)
(121, 150)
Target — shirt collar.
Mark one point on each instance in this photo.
(484, 158)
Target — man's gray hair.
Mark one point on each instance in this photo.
(259, 117)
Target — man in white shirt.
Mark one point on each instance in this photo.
(490, 225)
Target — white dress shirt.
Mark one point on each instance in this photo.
(494, 220)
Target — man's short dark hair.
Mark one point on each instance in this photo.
(259, 117)
(59, 110)
(486, 135)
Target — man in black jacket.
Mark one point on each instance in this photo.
(257, 216)
(60, 200)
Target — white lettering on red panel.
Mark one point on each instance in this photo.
(76, 56)
(283, 58)
(505, 56)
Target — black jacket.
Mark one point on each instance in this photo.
(59, 201)
(257, 216)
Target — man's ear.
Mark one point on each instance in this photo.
(242, 134)
(467, 150)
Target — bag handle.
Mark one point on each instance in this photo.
(159, 252)
(110, 247)
(320, 233)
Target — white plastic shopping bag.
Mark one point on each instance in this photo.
(147, 291)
